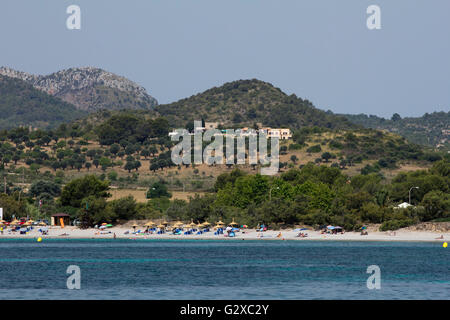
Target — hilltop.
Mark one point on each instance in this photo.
(247, 102)
(432, 129)
(89, 89)
(23, 105)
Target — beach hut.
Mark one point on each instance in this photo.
(60, 219)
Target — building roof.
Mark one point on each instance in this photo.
(404, 205)
(60, 215)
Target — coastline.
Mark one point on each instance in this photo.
(76, 233)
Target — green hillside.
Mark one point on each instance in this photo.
(246, 102)
(23, 105)
(426, 130)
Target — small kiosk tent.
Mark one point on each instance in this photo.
(60, 219)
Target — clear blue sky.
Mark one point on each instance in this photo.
(318, 49)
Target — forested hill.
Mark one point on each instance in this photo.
(247, 102)
(431, 129)
(23, 105)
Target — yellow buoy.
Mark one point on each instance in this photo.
(39, 239)
(444, 244)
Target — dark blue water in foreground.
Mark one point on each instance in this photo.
(201, 269)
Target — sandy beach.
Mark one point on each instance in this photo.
(249, 234)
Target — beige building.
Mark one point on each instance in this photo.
(211, 125)
(280, 133)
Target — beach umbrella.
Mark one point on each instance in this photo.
(206, 223)
(178, 224)
(102, 227)
(134, 226)
(14, 222)
(192, 224)
(42, 223)
(150, 224)
(220, 223)
(109, 225)
(104, 224)
(165, 223)
(161, 226)
(233, 223)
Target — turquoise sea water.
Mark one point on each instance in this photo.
(203, 269)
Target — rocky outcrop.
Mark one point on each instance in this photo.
(89, 89)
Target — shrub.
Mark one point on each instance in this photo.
(314, 149)
(396, 224)
(295, 146)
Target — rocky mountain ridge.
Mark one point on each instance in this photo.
(89, 88)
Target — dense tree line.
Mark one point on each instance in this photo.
(313, 195)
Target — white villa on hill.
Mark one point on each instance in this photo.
(280, 133)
